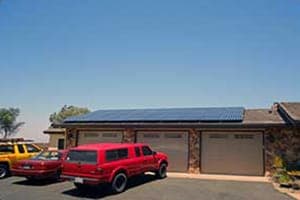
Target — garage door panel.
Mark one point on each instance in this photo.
(92, 137)
(232, 153)
(174, 144)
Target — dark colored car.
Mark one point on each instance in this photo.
(45, 165)
(95, 164)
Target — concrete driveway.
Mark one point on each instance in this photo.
(144, 187)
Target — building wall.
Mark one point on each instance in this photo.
(278, 142)
(53, 139)
(284, 143)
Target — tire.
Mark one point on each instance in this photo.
(119, 183)
(162, 171)
(57, 175)
(4, 171)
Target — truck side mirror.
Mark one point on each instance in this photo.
(154, 153)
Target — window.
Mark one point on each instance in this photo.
(21, 148)
(89, 157)
(111, 155)
(91, 135)
(218, 136)
(243, 136)
(137, 151)
(151, 135)
(173, 135)
(111, 135)
(31, 148)
(7, 149)
(116, 154)
(146, 151)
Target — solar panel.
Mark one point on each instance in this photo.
(227, 114)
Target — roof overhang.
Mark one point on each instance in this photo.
(55, 130)
(170, 125)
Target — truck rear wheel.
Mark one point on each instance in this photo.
(119, 183)
(4, 171)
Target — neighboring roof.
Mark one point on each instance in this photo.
(54, 131)
(292, 110)
(262, 116)
(226, 114)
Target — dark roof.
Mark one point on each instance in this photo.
(262, 116)
(291, 110)
(225, 114)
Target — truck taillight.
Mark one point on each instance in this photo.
(99, 170)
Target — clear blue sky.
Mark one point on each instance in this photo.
(141, 53)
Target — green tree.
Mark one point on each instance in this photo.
(8, 121)
(65, 112)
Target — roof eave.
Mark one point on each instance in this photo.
(171, 125)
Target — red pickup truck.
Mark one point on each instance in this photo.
(112, 163)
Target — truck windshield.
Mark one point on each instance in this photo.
(89, 157)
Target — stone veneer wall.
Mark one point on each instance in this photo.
(71, 138)
(128, 136)
(284, 143)
(194, 152)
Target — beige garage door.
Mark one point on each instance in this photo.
(174, 144)
(238, 153)
(90, 137)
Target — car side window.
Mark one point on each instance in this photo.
(116, 154)
(31, 148)
(146, 151)
(7, 149)
(21, 148)
(137, 151)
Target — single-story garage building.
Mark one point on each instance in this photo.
(57, 137)
(229, 140)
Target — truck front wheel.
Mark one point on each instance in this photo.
(162, 171)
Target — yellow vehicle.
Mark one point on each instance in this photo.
(13, 150)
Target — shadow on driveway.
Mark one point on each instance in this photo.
(104, 190)
(37, 182)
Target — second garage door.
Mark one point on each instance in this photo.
(90, 137)
(174, 144)
(238, 153)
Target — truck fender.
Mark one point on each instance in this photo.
(162, 161)
(117, 170)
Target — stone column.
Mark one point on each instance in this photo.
(283, 143)
(194, 152)
(71, 136)
(129, 136)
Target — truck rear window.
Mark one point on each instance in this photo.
(89, 157)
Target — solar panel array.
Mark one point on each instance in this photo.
(227, 114)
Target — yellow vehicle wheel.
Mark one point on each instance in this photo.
(4, 171)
